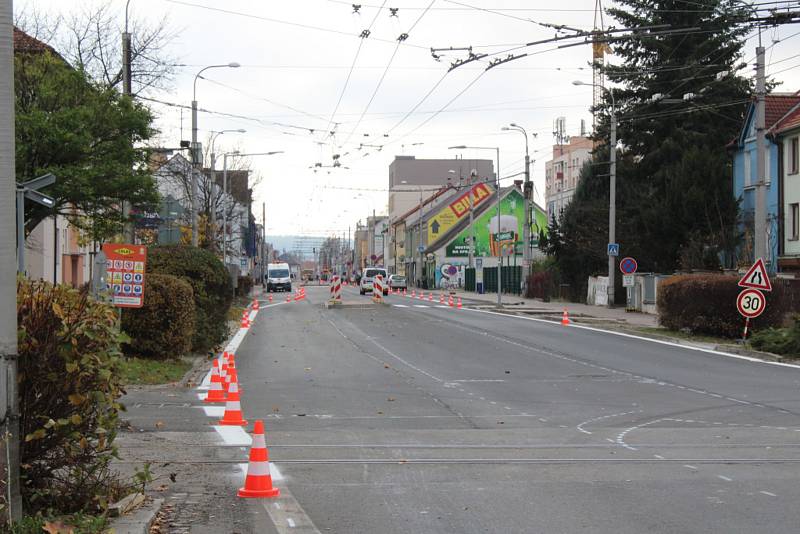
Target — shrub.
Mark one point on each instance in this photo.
(706, 304)
(779, 340)
(539, 285)
(244, 286)
(164, 326)
(211, 285)
(69, 348)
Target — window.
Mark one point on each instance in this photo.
(794, 221)
(794, 155)
(748, 155)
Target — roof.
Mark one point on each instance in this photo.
(238, 185)
(778, 105)
(25, 43)
(790, 121)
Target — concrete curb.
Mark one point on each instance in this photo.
(140, 521)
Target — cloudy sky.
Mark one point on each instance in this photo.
(306, 72)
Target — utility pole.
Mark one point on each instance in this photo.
(612, 203)
(500, 255)
(9, 401)
(129, 229)
(760, 226)
(263, 241)
(471, 256)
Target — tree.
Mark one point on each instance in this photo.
(675, 207)
(89, 39)
(88, 136)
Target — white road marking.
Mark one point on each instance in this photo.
(726, 479)
(290, 521)
(233, 435)
(658, 456)
(581, 425)
(647, 339)
(214, 411)
(768, 493)
(421, 306)
(690, 467)
(399, 305)
(479, 380)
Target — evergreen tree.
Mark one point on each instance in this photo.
(675, 206)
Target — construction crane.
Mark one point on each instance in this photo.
(599, 50)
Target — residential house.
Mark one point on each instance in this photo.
(787, 135)
(562, 173)
(743, 151)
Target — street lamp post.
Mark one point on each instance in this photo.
(214, 136)
(527, 190)
(225, 191)
(497, 181)
(612, 197)
(196, 156)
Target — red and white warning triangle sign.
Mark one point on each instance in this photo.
(756, 277)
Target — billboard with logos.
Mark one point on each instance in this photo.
(488, 225)
(125, 274)
(452, 213)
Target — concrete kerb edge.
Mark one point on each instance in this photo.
(138, 522)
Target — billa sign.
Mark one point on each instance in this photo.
(125, 266)
(449, 216)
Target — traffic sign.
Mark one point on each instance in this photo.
(628, 265)
(627, 280)
(613, 249)
(125, 274)
(421, 248)
(751, 303)
(756, 277)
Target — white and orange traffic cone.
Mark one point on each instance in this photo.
(459, 303)
(441, 298)
(245, 321)
(233, 408)
(270, 298)
(215, 393)
(258, 482)
(430, 296)
(565, 318)
(288, 298)
(255, 304)
(450, 301)
(405, 293)
(413, 293)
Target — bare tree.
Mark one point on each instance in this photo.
(89, 38)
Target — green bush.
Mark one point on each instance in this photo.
(779, 340)
(164, 326)
(211, 285)
(69, 388)
(244, 286)
(706, 304)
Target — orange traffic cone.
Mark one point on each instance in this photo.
(565, 318)
(258, 482)
(288, 298)
(450, 301)
(441, 298)
(255, 304)
(430, 296)
(216, 393)
(421, 295)
(270, 299)
(405, 292)
(233, 409)
(245, 322)
(413, 293)
(459, 303)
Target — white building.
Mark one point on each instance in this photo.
(562, 173)
(787, 134)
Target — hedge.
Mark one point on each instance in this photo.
(706, 304)
(69, 387)
(211, 284)
(164, 326)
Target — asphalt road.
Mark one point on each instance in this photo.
(404, 418)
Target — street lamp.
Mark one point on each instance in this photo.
(612, 198)
(527, 190)
(497, 175)
(196, 160)
(214, 136)
(225, 190)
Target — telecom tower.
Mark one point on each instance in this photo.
(599, 50)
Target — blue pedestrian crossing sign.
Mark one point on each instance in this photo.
(613, 249)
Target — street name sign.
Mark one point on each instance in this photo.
(756, 277)
(125, 273)
(751, 303)
(628, 265)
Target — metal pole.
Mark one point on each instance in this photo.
(195, 164)
(129, 229)
(612, 207)
(211, 236)
(419, 233)
(21, 231)
(224, 213)
(526, 230)
(760, 227)
(471, 256)
(263, 241)
(499, 257)
(9, 403)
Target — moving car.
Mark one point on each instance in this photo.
(397, 281)
(369, 274)
(278, 277)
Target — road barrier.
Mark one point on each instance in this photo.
(258, 483)
(336, 289)
(377, 288)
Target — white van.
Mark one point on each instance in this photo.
(278, 277)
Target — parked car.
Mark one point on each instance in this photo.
(366, 280)
(397, 281)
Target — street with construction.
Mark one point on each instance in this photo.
(425, 414)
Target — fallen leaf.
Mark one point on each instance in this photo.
(275, 409)
(380, 413)
(386, 366)
(308, 368)
(508, 372)
(159, 424)
(390, 399)
(57, 528)
(501, 422)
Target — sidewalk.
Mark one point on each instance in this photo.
(575, 310)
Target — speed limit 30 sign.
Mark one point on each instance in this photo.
(751, 303)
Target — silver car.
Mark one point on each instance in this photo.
(369, 274)
(397, 281)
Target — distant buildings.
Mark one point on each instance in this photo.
(562, 173)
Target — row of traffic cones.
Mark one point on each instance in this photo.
(258, 481)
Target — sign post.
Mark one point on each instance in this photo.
(628, 267)
(125, 274)
(751, 302)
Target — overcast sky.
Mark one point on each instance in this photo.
(296, 57)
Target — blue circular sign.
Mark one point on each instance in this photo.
(628, 265)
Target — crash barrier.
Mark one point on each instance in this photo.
(336, 289)
(377, 288)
